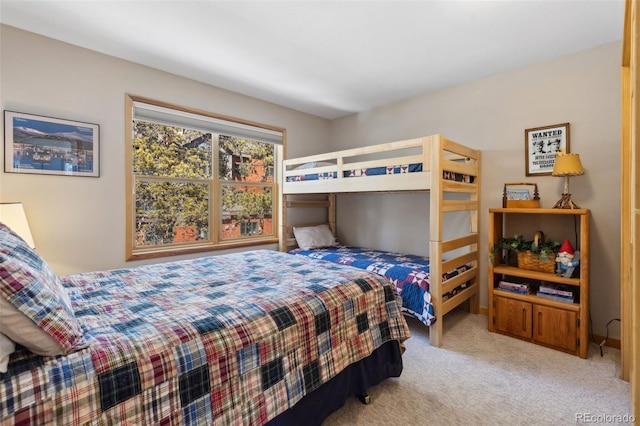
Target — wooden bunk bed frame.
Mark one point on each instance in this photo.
(438, 155)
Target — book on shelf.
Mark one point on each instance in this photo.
(557, 289)
(514, 287)
(555, 297)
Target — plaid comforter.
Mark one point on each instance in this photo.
(408, 273)
(233, 339)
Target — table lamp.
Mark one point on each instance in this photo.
(12, 215)
(567, 165)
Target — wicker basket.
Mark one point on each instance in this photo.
(532, 262)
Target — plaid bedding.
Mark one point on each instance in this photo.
(408, 273)
(223, 340)
(373, 171)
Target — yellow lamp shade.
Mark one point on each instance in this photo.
(567, 165)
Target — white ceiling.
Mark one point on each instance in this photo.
(327, 58)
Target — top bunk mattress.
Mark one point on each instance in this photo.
(385, 167)
(371, 171)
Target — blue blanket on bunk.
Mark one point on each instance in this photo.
(374, 171)
(408, 273)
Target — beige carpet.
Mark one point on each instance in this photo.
(482, 378)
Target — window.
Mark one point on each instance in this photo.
(248, 228)
(198, 181)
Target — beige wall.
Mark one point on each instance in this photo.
(78, 222)
(491, 115)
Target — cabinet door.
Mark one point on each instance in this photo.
(512, 316)
(555, 327)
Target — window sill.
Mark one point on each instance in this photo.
(181, 250)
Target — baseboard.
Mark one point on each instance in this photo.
(596, 338)
(610, 341)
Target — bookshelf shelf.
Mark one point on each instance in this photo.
(561, 325)
(532, 298)
(540, 276)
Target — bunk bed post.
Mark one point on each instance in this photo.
(433, 145)
(331, 213)
(474, 216)
(435, 288)
(282, 235)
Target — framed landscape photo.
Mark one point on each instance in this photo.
(541, 146)
(50, 146)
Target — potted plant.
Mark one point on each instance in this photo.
(537, 255)
(508, 248)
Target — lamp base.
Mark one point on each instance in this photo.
(566, 203)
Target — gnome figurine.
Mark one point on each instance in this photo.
(567, 259)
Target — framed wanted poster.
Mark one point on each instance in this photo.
(541, 146)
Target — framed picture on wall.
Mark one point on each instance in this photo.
(50, 146)
(541, 146)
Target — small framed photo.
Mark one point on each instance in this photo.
(50, 146)
(541, 146)
(518, 194)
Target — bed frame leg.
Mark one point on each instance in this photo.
(474, 304)
(435, 333)
(365, 399)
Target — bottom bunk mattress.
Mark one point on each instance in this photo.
(232, 339)
(408, 273)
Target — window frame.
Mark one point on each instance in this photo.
(214, 242)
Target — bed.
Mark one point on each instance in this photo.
(252, 338)
(446, 171)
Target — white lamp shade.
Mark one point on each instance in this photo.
(12, 215)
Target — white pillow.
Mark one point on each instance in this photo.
(19, 328)
(310, 237)
(7, 347)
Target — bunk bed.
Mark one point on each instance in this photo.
(433, 164)
(251, 338)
